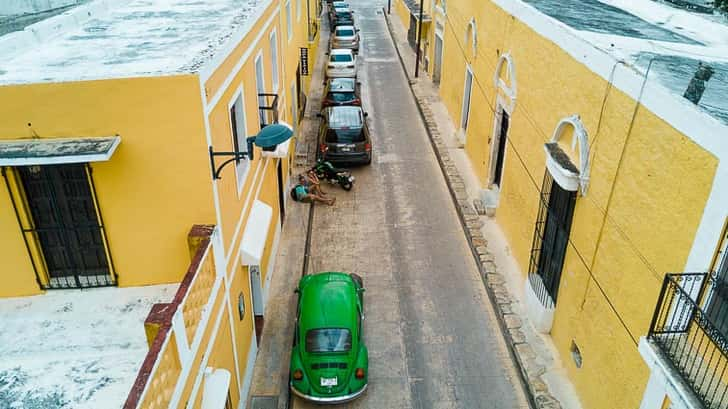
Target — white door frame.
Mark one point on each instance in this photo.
(437, 68)
(501, 106)
(256, 290)
(467, 93)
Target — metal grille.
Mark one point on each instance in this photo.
(64, 232)
(550, 239)
(694, 339)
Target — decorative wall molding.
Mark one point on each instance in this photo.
(566, 177)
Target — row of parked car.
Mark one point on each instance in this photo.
(329, 360)
(343, 131)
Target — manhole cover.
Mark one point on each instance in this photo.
(264, 402)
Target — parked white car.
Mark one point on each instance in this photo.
(342, 64)
(345, 37)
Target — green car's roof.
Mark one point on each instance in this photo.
(328, 300)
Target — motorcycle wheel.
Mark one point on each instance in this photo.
(347, 185)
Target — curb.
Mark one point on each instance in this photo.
(529, 373)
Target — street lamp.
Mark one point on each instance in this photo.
(267, 139)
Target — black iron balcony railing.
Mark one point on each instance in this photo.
(267, 109)
(689, 327)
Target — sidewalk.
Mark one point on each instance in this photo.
(270, 375)
(534, 353)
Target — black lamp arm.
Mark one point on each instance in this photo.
(234, 156)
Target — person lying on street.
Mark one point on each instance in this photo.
(311, 182)
(304, 195)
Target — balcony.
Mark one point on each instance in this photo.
(689, 330)
(267, 109)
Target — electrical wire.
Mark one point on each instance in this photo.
(607, 218)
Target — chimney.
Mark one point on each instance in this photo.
(697, 84)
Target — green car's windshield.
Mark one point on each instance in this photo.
(328, 340)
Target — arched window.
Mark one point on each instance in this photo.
(471, 36)
(560, 165)
(504, 79)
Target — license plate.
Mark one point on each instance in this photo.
(346, 149)
(329, 381)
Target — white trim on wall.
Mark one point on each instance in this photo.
(275, 60)
(242, 169)
(204, 76)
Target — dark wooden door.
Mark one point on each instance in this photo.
(66, 225)
(501, 148)
(717, 307)
(281, 193)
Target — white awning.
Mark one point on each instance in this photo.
(256, 233)
(50, 151)
(215, 392)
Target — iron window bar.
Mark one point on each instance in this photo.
(268, 109)
(690, 329)
(31, 239)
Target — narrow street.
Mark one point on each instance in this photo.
(432, 335)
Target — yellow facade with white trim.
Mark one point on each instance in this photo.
(158, 184)
(640, 214)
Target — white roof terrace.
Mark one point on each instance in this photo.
(77, 349)
(131, 38)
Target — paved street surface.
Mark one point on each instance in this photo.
(432, 335)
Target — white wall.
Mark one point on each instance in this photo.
(11, 7)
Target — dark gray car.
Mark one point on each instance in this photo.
(344, 135)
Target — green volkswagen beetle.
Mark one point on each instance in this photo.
(329, 361)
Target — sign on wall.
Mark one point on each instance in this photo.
(304, 60)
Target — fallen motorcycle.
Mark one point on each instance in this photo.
(326, 171)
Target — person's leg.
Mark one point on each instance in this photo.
(321, 199)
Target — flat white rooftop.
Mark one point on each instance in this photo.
(662, 42)
(77, 349)
(124, 38)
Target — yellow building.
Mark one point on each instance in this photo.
(124, 126)
(604, 178)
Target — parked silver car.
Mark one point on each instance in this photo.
(342, 64)
(345, 37)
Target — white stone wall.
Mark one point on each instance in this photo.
(13, 7)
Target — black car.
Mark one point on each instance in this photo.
(344, 135)
(340, 18)
(341, 91)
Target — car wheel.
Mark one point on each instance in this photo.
(347, 186)
(369, 161)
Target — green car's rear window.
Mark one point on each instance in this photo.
(328, 340)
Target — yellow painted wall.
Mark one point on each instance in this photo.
(17, 273)
(400, 9)
(631, 227)
(153, 188)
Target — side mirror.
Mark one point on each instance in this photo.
(318, 115)
(296, 291)
(366, 114)
(327, 53)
